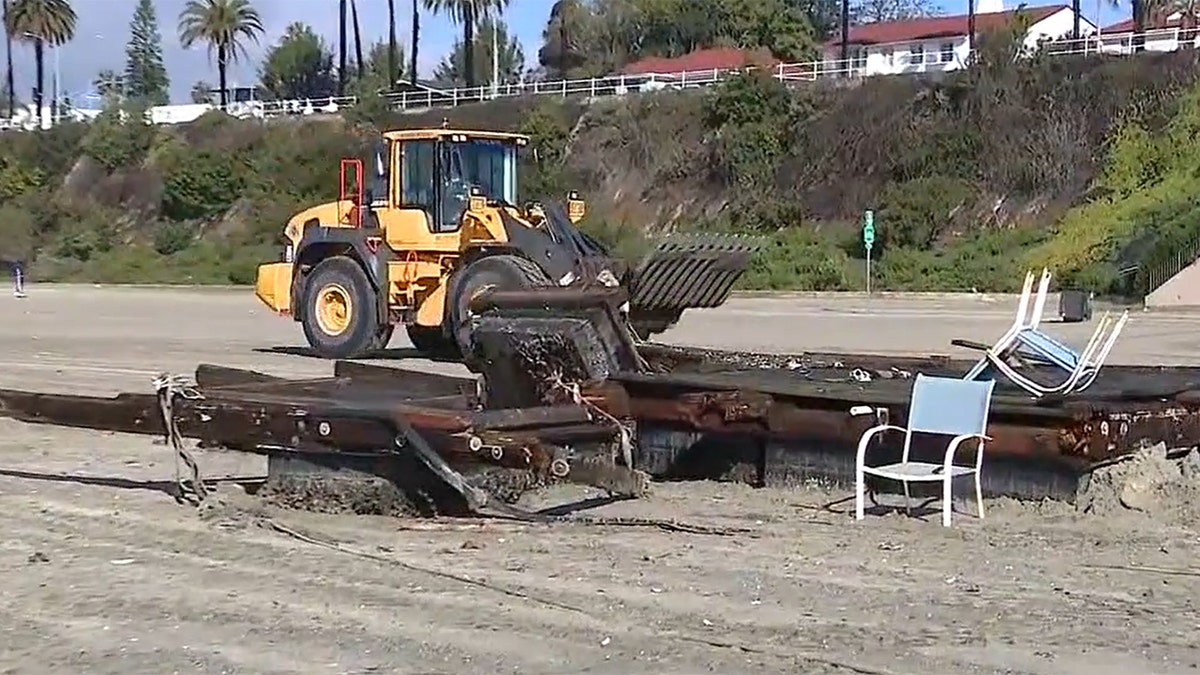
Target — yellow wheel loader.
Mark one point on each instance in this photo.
(437, 224)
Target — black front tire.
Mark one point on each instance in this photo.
(360, 330)
(500, 272)
(433, 342)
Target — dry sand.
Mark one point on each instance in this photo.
(104, 573)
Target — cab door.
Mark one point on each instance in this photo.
(412, 224)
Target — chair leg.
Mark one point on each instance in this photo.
(907, 499)
(859, 488)
(947, 501)
(979, 494)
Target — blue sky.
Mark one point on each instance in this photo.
(104, 28)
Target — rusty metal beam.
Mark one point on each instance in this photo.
(1077, 432)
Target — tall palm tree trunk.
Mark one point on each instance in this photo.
(39, 56)
(1138, 8)
(469, 44)
(845, 55)
(358, 54)
(970, 27)
(391, 44)
(12, 78)
(416, 34)
(222, 67)
(342, 48)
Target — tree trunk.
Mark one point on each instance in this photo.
(342, 48)
(12, 79)
(222, 64)
(391, 45)
(358, 54)
(417, 35)
(469, 45)
(39, 56)
(1138, 8)
(1075, 9)
(970, 28)
(845, 57)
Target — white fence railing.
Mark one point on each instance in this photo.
(1117, 44)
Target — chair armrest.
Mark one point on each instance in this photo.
(865, 439)
(952, 449)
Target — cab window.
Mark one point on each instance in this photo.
(492, 166)
(419, 189)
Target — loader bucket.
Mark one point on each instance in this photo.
(685, 271)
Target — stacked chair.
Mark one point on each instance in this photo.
(1026, 341)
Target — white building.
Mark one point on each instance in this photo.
(940, 43)
(1163, 33)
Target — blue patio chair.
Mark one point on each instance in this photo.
(939, 406)
(1025, 339)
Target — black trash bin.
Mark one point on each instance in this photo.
(1075, 306)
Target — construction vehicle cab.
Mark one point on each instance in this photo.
(434, 225)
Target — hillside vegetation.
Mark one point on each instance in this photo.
(1087, 165)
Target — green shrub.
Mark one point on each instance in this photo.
(544, 176)
(749, 115)
(798, 260)
(17, 179)
(199, 183)
(17, 230)
(914, 213)
(173, 237)
(119, 137)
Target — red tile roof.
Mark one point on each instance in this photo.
(1157, 21)
(938, 26)
(717, 58)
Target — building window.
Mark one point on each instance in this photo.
(858, 59)
(889, 57)
(947, 52)
(917, 55)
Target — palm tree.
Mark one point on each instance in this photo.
(970, 27)
(12, 79)
(41, 22)
(1189, 17)
(467, 13)
(342, 48)
(358, 54)
(225, 25)
(416, 33)
(391, 44)
(1143, 11)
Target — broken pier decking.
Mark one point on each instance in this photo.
(363, 418)
(803, 428)
(766, 425)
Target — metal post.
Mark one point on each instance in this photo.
(57, 108)
(868, 271)
(18, 280)
(495, 57)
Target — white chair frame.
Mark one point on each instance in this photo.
(941, 406)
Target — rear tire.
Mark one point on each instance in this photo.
(339, 319)
(500, 272)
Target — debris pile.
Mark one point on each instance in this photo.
(1156, 481)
